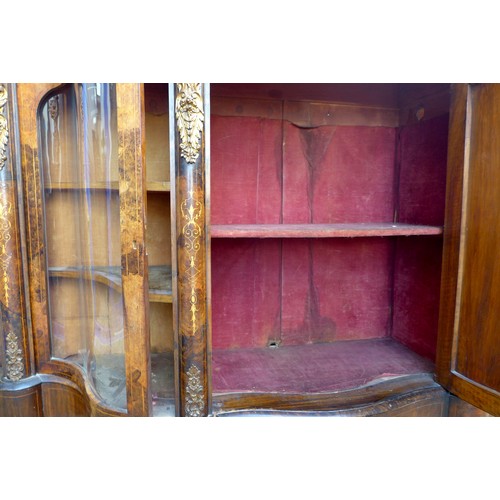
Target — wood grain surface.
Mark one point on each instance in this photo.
(413, 395)
(470, 296)
(132, 161)
(189, 105)
(320, 230)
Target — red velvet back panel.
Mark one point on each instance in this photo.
(309, 291)
(300, 291)
(338, 174)
(246, 277)
(422, 180)
(417, 281)
(417, 276)
(336, 289)
(246, 163)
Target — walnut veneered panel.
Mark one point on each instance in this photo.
(468, 345)
(478, 350)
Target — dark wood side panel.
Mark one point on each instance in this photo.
(452, 226)
(62, 398)
(21, 402)
(469, 354)
(459, 408)
(478, 349)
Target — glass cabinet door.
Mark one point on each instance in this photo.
(92, 155)
(79, 161)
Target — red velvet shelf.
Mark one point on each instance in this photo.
(313, 368)
(321, 230)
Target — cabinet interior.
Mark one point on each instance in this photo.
(159, 247)
(326, 226)
(327, 212)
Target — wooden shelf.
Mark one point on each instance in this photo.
(158, 186)
(153, 186)
(313, 368)
(321, 230)
(160, 284)
(160, 278)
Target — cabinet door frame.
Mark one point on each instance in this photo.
(455, 236)
(190, 209)
(132, 189)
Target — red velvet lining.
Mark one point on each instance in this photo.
(335, 289)
(246, 163)
(313, 368)
(417, 268)
(422, 179)
(246, 286)
(417, 282)
(315, 291)
(338, 174)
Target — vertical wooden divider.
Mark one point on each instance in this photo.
(189, 117)
(132, 188)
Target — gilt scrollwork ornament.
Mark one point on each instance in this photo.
(5, 255)
(14, 355)
(194, 393)
(190, 117)
(192, 213)
(4, 131)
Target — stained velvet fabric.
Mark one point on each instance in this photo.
(314, 367)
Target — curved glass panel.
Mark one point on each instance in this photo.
(79, 160)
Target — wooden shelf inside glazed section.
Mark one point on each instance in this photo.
(313, 368)
(160, 278)
(321, 230)
(152, 186)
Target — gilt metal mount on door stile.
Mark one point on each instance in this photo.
(190, 118)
